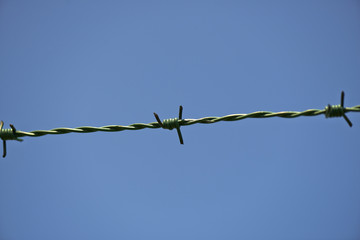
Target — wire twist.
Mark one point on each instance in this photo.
(172, 123)
(334, 111)
(8, 134)
(337, 110)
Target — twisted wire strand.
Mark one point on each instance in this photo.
(182, 122)
(88, 129)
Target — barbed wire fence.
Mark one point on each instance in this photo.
(176, 123)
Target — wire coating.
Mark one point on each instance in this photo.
(181, 122)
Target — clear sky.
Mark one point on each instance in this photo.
(95, 63)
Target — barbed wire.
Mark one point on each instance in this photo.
(329, 111)
(182, 122)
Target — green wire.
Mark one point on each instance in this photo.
(182, 122)
(171, 123)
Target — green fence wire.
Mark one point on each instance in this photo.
(329, 111)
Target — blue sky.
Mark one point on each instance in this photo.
(96, 63)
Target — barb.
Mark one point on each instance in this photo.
(337, 110)
(329, 111)
(172, 123)
(8, 134)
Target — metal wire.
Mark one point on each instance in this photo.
(329, 111)
(182, 122)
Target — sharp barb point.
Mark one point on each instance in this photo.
(4, 148)
(13, 129)
(158, 119)
(180, 112)
(342, 98)
(180, 135)
(348, 120)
